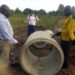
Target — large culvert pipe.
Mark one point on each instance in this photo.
(41, 61)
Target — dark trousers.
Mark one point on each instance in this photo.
(66, 48)
(31, 29)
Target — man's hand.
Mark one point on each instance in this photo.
(18, 44)
(56, 34)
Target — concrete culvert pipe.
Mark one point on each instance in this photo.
(49, 32)
(41, 61)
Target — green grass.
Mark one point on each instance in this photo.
(48, 21)
(17, 20)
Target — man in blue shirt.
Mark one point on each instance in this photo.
(6, 31)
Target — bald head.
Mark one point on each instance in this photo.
(5, 10)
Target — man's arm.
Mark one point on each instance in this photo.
(37, 18)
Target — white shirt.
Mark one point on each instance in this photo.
(32, 19)
(6, 31)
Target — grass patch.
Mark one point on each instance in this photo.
(17, 20)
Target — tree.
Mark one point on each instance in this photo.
(52, 13)
(28, 11)
(17, 10)
(42, 12)
(60, 9)
(73, 10)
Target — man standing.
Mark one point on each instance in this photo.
(6, 31)
(32, 19)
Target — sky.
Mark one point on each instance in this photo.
(47, 5)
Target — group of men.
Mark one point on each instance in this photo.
(7, 35)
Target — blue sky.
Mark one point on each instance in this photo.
(47, 5)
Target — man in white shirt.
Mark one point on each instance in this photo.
(6, 31)
(32, 19)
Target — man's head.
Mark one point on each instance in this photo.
(5, 10)
(67, 11)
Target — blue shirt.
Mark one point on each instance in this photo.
(6, 31)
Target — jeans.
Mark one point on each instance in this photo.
(66, 48)
(31, 29)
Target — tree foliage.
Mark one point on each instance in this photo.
(41, 11)
(73, 10)
(27, 11)
(58, 12)
(60, 9)
(17, 10)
